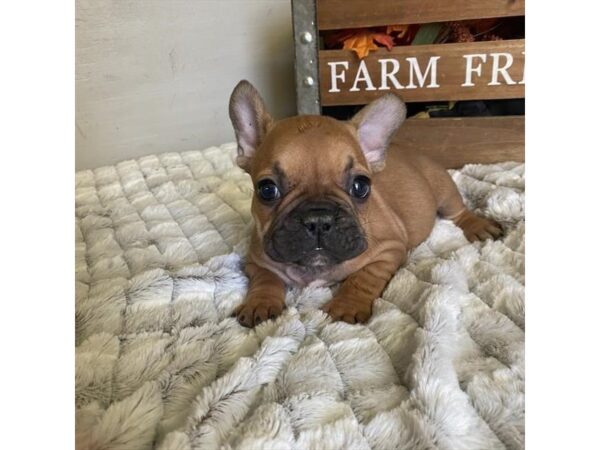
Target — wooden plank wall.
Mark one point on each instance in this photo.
(454, 142)
(337, 14)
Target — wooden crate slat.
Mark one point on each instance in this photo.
(337, 14)
(450, 74)
(455, 142)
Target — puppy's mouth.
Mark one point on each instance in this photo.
(317, 235)
(318, 257)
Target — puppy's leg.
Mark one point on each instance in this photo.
(451, 206)
(353, 302)
(265, 297)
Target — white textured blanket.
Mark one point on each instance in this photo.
(160, 364)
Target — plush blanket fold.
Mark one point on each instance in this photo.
(160, 364)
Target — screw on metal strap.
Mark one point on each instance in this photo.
(304, 16)
(306, 37)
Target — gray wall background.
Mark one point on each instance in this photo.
(155, 75)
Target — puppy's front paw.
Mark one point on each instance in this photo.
(256, 310)
(347, 310)
(478, 228)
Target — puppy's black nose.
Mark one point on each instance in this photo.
(318, 221)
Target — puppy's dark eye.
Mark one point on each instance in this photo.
(267, 190)
(361, 187)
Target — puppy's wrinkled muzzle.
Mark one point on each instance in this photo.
(316, 234)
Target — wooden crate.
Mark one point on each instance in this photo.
(418, 73)
(447, 78)
(337, 14)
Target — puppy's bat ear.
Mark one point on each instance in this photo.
(376, 123)
(250, 121)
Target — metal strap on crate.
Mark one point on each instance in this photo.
(306, 43)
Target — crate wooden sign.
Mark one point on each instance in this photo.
(474, 70)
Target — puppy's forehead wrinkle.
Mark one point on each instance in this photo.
(313, 153)
(349, 165)
(278, 171)
(281, 177)
(307, 122)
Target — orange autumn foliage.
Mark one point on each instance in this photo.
(363, 41)
(400, 29)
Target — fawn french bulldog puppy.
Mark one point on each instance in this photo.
(335, 202)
